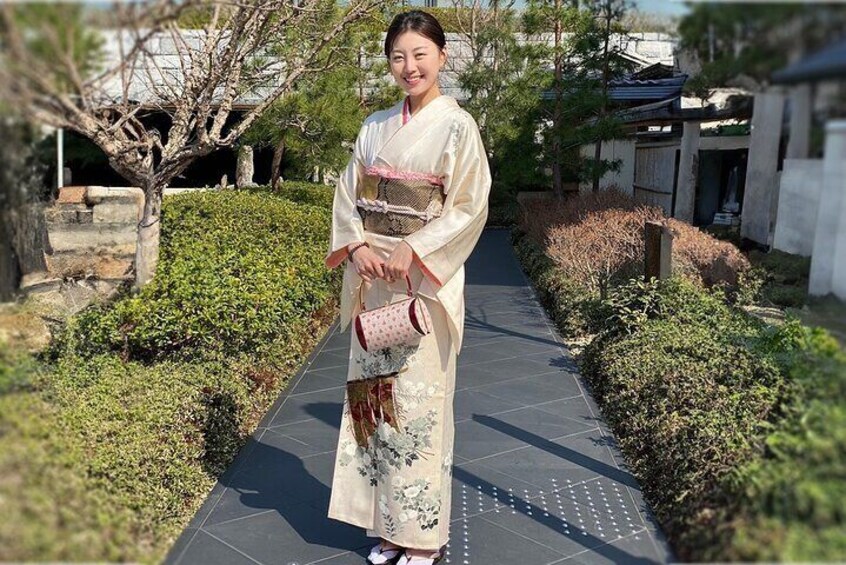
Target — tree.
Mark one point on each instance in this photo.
(22, 229)
(571, 42)
(610, 14)
(255, 49)
(499, 78)
(315, 124)
(744, 44)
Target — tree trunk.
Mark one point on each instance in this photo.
(149, 232)
(557, 182)
(597, 152)
(278, 153)
(10, 274)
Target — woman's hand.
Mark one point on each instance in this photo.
(396, 267)
(367, 264)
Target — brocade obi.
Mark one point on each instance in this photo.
(398, 203)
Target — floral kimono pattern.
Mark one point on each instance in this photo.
(393, 467)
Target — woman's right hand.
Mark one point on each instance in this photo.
(367, 264)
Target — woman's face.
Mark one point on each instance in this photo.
(415, 63)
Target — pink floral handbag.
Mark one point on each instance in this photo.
(397, 323)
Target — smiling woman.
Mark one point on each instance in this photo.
(409, 209)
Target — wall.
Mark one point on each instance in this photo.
(92, 232)
(622, 149)
(798, 204)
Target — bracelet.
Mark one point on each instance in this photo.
(356, 248)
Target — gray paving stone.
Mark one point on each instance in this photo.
(328, 359)
(317, 433)
(637, 549)
(477, 489)
(323, 404)
(546, 463)
(477, 540)
(207, 549)
(468, 403)
(576, 408)
(558, 523)
(538, 389)
(274, 479)
(323, 379)
(295, 534)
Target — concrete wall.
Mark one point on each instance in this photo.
(760, 196)
(798, 205)
(828, 261)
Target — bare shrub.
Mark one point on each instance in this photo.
(596, 239)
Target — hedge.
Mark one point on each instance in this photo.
(237, 272)
(109, 448)
(735, 429)
(595, 242)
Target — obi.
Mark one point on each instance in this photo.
(398, 203)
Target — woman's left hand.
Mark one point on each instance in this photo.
(398, 263)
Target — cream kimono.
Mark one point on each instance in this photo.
(426, 182)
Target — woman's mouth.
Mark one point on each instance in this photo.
(413, 80)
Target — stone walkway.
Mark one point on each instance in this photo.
(537, 478)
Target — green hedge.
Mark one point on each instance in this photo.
(238, 271)
(302, 192)
(107, 452)
(734, 428)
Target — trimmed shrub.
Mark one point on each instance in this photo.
(237, 272)
(574, 310)
(111, 450)
(730, 425)
(595, 243)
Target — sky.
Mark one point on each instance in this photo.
(666, 7)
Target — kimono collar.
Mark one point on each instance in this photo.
(406, 106)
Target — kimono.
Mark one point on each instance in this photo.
(425, 180)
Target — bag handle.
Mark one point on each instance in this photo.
(361, 292)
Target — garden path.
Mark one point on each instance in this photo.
(537, 475)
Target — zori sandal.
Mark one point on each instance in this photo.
(379, 555)
(416, 560)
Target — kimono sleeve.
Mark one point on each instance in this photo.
(347, 226)
(444, 244)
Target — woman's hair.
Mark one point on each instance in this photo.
(418, 21)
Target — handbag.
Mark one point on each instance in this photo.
(397, 323)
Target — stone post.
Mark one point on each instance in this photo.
(761, 192)
(688, 173)
(244, 174)
(828, 261)
(799, 145)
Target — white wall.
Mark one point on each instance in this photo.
(798, 204)
(828, 262)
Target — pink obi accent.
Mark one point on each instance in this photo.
(387, 173)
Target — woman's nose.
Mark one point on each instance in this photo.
(409, 66)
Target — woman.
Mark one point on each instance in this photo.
(412, 202)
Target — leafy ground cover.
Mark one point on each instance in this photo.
(112, 436)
